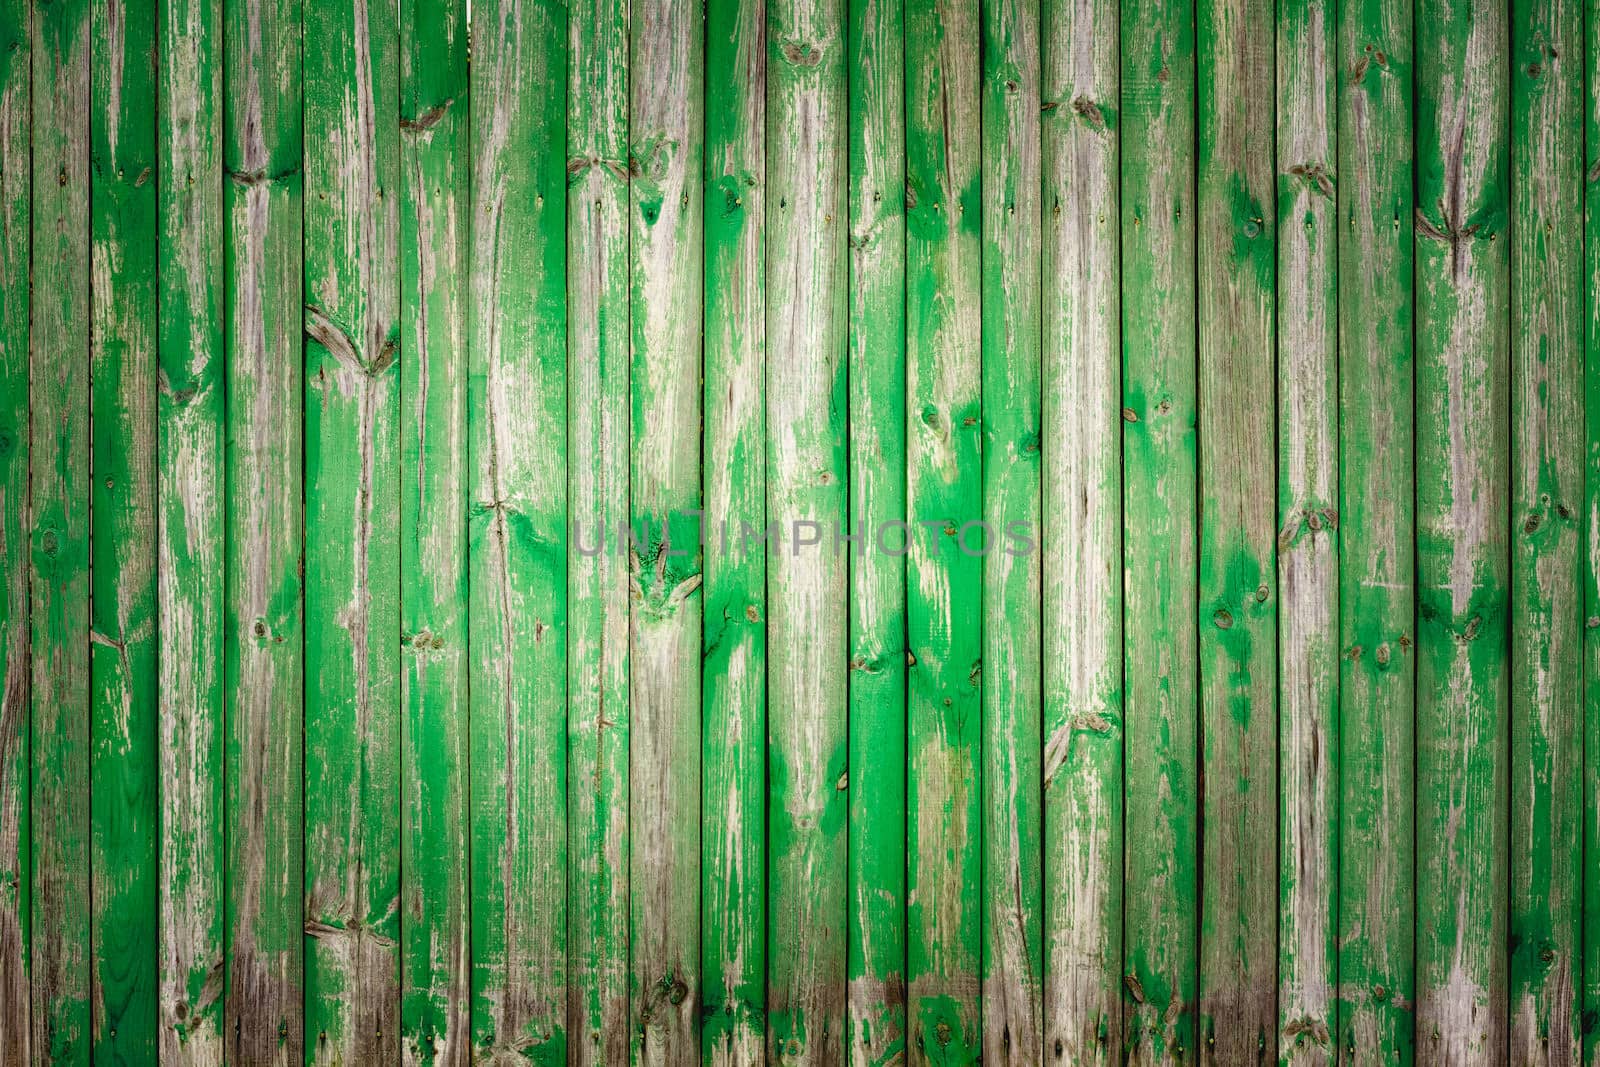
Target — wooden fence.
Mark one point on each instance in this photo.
(429, 628)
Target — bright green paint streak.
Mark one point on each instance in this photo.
(1462, 358)
(434, 173)
(1547, 450)
(1377, 574)
(876, 928)
(944, 489)
(516, 411)
(122, 667)
(59, 539)
(1160, 534)
(264, 669)
(597, 584)
(734, 681)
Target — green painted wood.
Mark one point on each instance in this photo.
(666, 279)
(1463, 520)
(1238, 605)
(123, 640)
(264, 661)
(733, 810)
(1308, 521)
(1376, 534)
(16, 234)
(59, 466)
(352, 532)
(434, 212)
(876, 896)
(944, 586)
(1546, 492)
(1589, 974)
(516, 411)
(1079, 529)
(190, 529)
(598, 339)
(1160, 535)
(807, 497)
(1012, 968)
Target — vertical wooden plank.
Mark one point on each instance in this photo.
(1082, 536)
(352, 532)
(1307, 521)
(667, 71)
(1013, 803)
(122, 782)
(1590, 973)
(1546, 614)
(944, 493)
(517, 407)
(876, 896)
(1462, 529)
(1160, 537)
(434, 214)
(733, 807)
(264, 1020)
(1238, 608)
(1377, 571)
(16, 194)
(598, 341)
(807, 401)
(190, 545)
(59, 453)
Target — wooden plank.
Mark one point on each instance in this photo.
(190, 545)
(264, 1020)
(1238, 608)
(1159, 532)
(944, 492)
(733, 813)
(667, 283)
(1376, 534)
(122, 783)
(434, 213)
(1462, 354)
(16, 194)
(1013, 801)
(352, 533)
(1546, 612)
(598, 341)
(876, 896)
(1082, 564)
(59, 456)
(517, 408)
(1589, 990)
(807, 487)
(1308, 520)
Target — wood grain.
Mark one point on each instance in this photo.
(598, 405)
(264, 1020)
(1079, 529)
(1376, 534)
(733, 808)
(1308, 523)
(517, 530)
(434, 213)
